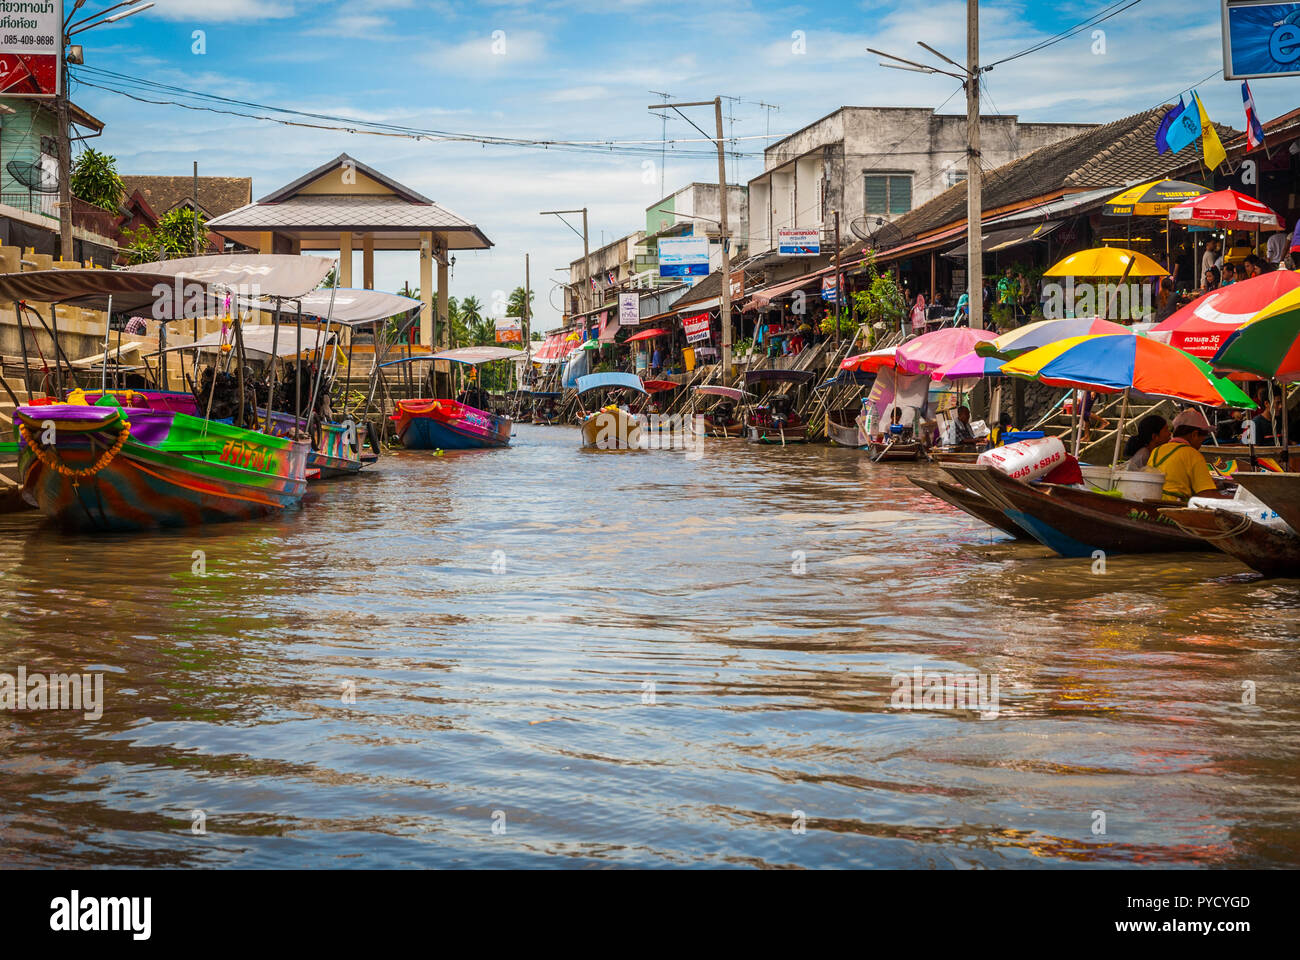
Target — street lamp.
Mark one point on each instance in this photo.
(75, 54)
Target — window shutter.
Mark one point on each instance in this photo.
(900, 194)
(877, 194)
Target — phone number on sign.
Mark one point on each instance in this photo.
(29, 41)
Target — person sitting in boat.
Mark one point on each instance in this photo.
(1005, 425)
(962, 433)
(1153, 431)
(1180, 460)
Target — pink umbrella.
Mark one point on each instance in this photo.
(969, 367)
(930, 351)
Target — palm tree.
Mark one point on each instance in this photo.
(409, 291)
(515, 305)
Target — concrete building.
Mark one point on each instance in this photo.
(608, 269)
(877, 162)
(694, 211)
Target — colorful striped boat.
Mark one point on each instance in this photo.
(111, 468)
(336, 451)
(448, 425)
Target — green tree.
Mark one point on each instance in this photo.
(515, 305)
(331, 278)
(95, 180)
(409, 291)
(172, 238)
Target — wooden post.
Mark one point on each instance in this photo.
(725, 311)
(974, 191)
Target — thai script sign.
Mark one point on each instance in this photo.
(31, 47)
(696, 327)
(799, 243)
(509, 330)
(629, 309)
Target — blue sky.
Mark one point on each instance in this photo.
(583, 69)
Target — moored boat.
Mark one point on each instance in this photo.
(896, 450)
(448, 425)
(972, 503)
(843, 429)
(1269, 550)
(612, 427)
(1279, 491)
(1076, 522)
(774, 419)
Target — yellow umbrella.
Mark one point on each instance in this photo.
(1152, 199)
(1106, 262)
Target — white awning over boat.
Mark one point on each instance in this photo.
(351, 307)
(479, 354)
(258, 341)
(267, 275)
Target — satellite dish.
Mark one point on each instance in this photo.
(876, 231)
(33, 176)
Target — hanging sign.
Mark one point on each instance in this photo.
(696, 327)
(629, 309)
(799, 243)
(509, 330)
(830, 289)
(684, 257)
(31, 48)
(1260, 39)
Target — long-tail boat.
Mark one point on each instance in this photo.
(611, 427)
(125, 467)
(1270, 551)
(1279, 491)
(774, 421)
(446, 424)
(972, 503)
(1076, 522)
(843, 429)
(721, 421)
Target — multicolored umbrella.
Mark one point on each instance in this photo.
(1152, 199)
(1225, 210)
(968, 367)
(1034, 335)
(1115, 363)
(1106, 262)
(872, 362)
(930, 351)
(1203, 326)
(1268, 344)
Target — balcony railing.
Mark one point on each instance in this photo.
(87, 216)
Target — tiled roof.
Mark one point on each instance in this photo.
(217, 195)
(342, 212)
(1112, 155)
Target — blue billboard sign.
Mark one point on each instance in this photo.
(1261, 38)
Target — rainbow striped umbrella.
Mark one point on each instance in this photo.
(1119, 362)
(1268, 344)
(1034, 335)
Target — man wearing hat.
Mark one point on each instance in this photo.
(1180, 460)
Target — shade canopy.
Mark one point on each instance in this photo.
(1226, 210)
(1039, 334)
(659, 386)
(1106, 262)
(647, 334)
(930, 351)
(352, 308)
(595, 381)
(731, 393)
(1267, 345)
(131, 292)
(1114, 363)
(259, 340)
(1202, 326)
(1152, 199)
(262, 274)
(477, 355)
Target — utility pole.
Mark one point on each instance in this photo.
(970, 78)
(584, 288)
(839, 292)
(196, 208)
(725, 298)
(974, 183)
(526, 323)
(65, 161)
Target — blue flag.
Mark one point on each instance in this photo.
(1178, 128)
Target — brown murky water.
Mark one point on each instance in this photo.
(567, 658)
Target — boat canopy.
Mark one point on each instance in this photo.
(647, 334)
(259, 340)
(659, 386)
(595, 381)
(130, 291)
(477, 355)
(351, 308)
(731, 393)
(778, 376)
(283, 276)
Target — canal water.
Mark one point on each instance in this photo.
(547, 657)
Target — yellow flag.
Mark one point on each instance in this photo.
(1210, 143)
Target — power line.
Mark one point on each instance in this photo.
(1092, 21)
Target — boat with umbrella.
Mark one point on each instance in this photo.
(1075, 522)
(447, 424)
(114, 467)
(722, 420)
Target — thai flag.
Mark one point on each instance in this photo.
(1254, 131)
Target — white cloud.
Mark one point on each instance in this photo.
(224, 11)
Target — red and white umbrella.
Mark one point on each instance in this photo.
(1202, 325)
(872, 362)
(1225, 210)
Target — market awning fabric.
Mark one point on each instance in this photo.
(995, 240)
(474, 355)
(647, 334)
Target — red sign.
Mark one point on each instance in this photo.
(31, 45)
(696, 327)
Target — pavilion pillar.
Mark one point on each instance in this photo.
(368, 261)
(345, 260)
(426, 288)
(444, 312)
(266, 242)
